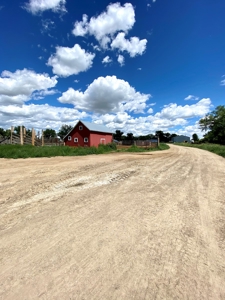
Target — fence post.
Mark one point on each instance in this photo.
(24, 135)
(158, 142)
(33, 136)
(42, 138)
(21, 135)
(11, 136)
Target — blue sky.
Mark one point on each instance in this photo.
(137, 66)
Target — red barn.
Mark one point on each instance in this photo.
(88, 134)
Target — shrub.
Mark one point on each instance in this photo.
(108, 147)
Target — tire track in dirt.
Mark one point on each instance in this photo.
(117, 227)
(71, 185)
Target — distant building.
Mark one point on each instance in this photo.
(181, 139)
(88, 134)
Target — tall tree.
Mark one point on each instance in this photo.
(160, 135)
(167, 137)
(49, 133)
(145, 137)
(2, 132)
(206, 123)
(130, 136)
(173, 135)
(17, 129)
(214, 122)
(195, 137)
(29, 132)
(118, 135)
(64, 130)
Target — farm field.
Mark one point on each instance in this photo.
(148, 225)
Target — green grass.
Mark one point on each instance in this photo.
(18, 151)
(215, 148)
(25, 151)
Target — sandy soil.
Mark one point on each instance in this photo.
(115, 226)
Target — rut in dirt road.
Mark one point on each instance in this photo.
(115, 226)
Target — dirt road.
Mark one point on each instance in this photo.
(115, 226)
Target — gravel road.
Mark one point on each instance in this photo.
(115, 226)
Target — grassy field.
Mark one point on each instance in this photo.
(18, 151)
(217, 149)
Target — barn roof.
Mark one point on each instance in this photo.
(92, 127)
(96, 127)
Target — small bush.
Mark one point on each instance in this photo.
(112, 146)
(108, 147)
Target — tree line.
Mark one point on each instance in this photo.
(213, 124)
(118, 135)
(163, 136)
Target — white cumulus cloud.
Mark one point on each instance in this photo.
(39, 116)
(120, 60)
(139, 125)
(191, 97)
(38, 6)
(23, 85)
(174, 111)
(134, 46)
(150, 111)
(115, 18)
(106, 60)
(172, 118)
(222, 82)
(106, 94)
(68, 61)
(81, 28)
(190, 129)
(43, 93)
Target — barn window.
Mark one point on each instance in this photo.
(80, 127)
(75, 140)
(69, 138)
(86, 140)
